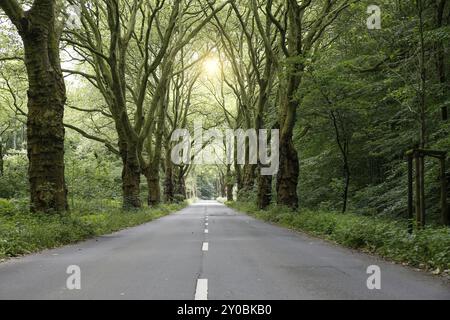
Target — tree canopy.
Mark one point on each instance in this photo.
(93, 92)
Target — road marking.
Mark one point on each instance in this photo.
(206, 231)
(205, 246)
(201, 292)
(206, 224)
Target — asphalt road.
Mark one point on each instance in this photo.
(237, 257)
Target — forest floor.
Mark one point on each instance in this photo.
(22, 232)
(427, 249)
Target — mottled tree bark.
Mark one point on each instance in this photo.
(154, 189)
(237, 169)
(249, 176)
(46, 99)
(152, 171)
(180, 185)
(131, 172)
(287, 178)
(230, 183)
(264, 191)
(223, 186)
(169, 189)
(131, 177)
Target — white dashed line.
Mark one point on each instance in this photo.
(206, 224)
(201, 292)
(205, 246)
(206, 231)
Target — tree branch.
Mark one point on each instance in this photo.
(13, 11)
(94, 138)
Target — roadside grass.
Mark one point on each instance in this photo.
(22, 232)
(427, 249)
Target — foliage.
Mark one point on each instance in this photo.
(14, 182)
(370, 77)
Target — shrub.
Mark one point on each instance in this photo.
(6, 207)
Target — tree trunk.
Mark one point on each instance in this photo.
(248, 181)
(154, 189)
(288, 173)
(131, 186)
(287, 178)
(264, 194)
(223, 187)
(440, 59)
(422, 92)
(152, 173)
(346, 186)
(180, 186)
(342, 140)
(264, 191)
(131, 180)
(237, 169)
(45, 129)
(131, 175)
(230, 183)
(168, 181)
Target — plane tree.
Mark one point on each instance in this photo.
(40, 30)
(129, 47)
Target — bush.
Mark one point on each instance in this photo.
(6, 207)
(247, 195)
(179, 198)
(14, 181)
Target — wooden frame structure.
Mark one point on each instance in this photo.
(416, 157)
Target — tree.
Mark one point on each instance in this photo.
(135, 93)
(40, 31)
(303, 32)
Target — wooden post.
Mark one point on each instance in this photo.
(418, 156)
(417, 200)
(444, 206)
(422, 190)
(410, 194)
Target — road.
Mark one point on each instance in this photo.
(209, 251)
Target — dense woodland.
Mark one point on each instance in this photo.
(92, 91)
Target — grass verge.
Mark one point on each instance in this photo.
(428, 248)
(23, 233)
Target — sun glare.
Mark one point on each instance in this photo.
(211, 67)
